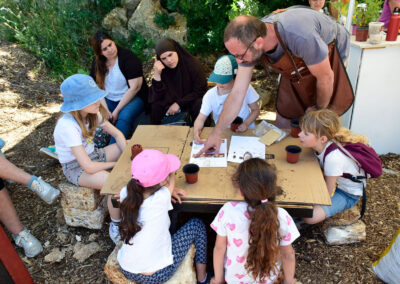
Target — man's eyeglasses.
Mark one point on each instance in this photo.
(240, 57)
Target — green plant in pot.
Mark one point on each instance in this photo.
(363, 15)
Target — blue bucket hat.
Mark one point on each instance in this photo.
(224, 70)
(80, 91)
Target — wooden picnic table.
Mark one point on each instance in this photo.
(302, 183)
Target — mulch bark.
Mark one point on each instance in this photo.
(29, 103)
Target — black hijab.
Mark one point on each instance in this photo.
(185, 82)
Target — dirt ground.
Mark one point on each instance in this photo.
(29, 104)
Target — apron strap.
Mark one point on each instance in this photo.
(299, 77)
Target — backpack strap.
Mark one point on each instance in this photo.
(358, 179)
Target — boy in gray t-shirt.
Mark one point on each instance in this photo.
(307, 34)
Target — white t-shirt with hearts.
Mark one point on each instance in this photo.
(233, 221)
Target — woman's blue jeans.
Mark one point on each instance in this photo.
(127, 116)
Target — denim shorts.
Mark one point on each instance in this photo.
(72, 170)
(341, 201)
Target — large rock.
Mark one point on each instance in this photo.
(339, 235)
(83, 218)
(120, 33)
(142, 22)
(185, 274)
(116, 18)
(344, 218)
(79, 197)
(130, 6)
(83, 252)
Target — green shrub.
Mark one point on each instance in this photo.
(207, 19)
(163, 20)
(54, 30)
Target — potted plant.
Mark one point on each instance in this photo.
(364, 14)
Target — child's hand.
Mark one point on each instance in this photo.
(117, 196)
(242, 128)
(196, 137)
(177, 194)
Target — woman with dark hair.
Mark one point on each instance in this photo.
(118, 71)
(179, 82)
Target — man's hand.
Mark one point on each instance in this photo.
(213, 143)
(173, 109)
(177, 194)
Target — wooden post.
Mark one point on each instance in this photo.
(11, 261)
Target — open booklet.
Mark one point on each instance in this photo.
(207, 160)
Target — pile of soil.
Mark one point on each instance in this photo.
(29, 104)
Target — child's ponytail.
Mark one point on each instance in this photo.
(129, 207)
(263, 240)
(256, 179)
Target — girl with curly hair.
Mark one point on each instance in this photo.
(254, 237)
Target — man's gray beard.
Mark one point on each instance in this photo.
(257, 57)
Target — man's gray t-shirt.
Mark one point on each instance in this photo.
(307, 33)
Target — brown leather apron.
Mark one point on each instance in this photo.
(297, 88)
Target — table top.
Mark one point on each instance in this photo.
(302, 183)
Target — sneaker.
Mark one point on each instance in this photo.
(45, 190)
(28, 242)
(114, 232)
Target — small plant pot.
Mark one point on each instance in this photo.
(235, 124)
(136, 149)
(295, 128)
(292, 153)
(362, 34)
(191, 172)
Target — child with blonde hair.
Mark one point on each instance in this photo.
(320, 129)
(254, 237)
(149, 253)
(82, 163)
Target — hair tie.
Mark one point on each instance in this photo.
(264, 200)
(137, 182)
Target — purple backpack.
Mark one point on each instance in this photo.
(365, 157)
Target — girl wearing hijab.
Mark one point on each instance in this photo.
(179, 82)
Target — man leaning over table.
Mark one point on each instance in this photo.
(306, 47)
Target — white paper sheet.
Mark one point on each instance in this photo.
(242, 144)
(208, 160)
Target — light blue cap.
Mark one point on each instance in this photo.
(80, 91)
(224, 70)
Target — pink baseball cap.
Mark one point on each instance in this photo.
(150, 167)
